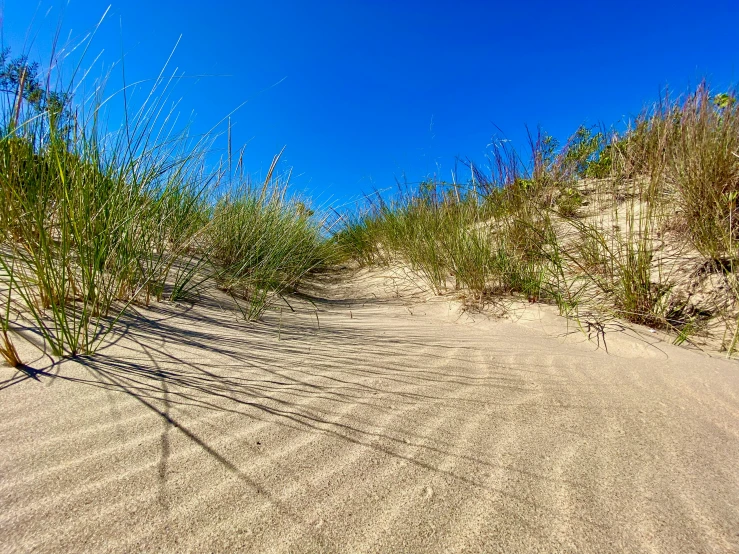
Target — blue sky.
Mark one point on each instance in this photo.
(364, 93)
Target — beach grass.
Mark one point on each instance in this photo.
(585, 224)
(94, 220)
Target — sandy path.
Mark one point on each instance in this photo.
(392, 428)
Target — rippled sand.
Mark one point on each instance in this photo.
(396, 425)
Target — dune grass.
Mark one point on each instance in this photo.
(93, 221)
(263, 243)
(583, 224)
(703, 166)
(446, 235)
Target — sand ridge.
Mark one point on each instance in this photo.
(371, 419)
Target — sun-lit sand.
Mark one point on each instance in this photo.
(371, 419)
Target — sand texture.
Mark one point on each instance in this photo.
(367, 422)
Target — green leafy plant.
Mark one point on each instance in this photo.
(724, 100)
(582, 151)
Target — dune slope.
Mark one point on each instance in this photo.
(363, 422)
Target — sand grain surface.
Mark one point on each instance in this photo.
(395, 426)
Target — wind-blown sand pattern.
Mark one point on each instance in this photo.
(395, 426)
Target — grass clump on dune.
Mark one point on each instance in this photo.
(445, 234)
(93, 221)
(263, 243)
(587, 224)
(703, 166)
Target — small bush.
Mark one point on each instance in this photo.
(569, 202)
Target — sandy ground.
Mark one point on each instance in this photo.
(396, 425)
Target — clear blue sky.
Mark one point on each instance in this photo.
(378, 90)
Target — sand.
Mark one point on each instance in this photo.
(372, 419)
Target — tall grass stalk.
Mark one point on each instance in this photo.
(7, 348)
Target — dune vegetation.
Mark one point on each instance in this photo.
(94, 221)
(638, 225)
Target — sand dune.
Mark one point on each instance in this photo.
(370, 420)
